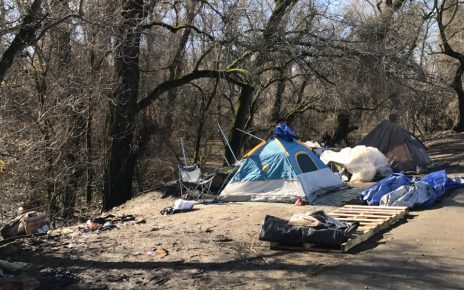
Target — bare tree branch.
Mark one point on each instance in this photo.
(174, 29)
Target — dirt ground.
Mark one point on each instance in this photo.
(217, 246)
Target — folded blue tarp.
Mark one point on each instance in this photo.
(373, 194)
(416, 194)
(283, 131)
(399, 190)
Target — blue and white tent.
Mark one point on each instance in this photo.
(280, 170)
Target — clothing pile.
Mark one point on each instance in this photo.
(317, 228)
(100, 223)
(108, 222)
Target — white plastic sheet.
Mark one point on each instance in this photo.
(315, 146)
(362, 162)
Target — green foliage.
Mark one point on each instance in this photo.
(238, 71)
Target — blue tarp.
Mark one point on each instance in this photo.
(398, 189)
(374, 193)
(283, 131)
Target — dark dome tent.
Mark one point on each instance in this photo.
(403, 150)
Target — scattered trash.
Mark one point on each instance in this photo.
(43, 229)
(95, 224)
(180, 205)
(160, 252)
(103, 223)
(76, 246)
(58, 232)
(34, 220)
(127, 218)
(108, 226)
(155, 252)
(149, 254)
(299, 202)
(167, 211)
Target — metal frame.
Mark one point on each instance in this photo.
(195, 190)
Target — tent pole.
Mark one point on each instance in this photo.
(249, 134)
(227, 143)
(225, 159)
(183, 151)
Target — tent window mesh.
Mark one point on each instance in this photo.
(305, 163)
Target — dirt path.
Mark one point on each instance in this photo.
(216, 246)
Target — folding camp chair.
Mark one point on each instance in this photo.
(191, 184)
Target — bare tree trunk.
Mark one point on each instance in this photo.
(342, 129)
(241, 117)
(281, 84)
(457, 86)
(175, 68)
(269, 39)
(46, 128)
(24, 38)
(88, 143)
(120, 162)
(451, 52)
(202, 122)
(62, 35)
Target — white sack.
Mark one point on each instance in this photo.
(361, 161)
(181, 204)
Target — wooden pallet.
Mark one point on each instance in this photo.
(372, 219)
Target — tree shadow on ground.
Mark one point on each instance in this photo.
(382, 269)
(376, 240)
